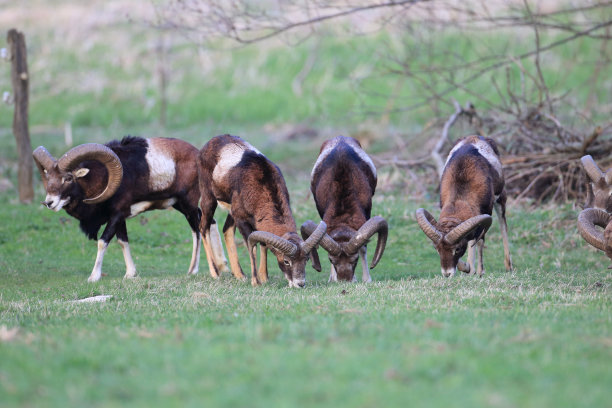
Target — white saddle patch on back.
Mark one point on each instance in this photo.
(485, 151)
(229, 157)
(162, 169)
(332, 145)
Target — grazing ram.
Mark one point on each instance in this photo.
(472, 184)
(236, 176)
(106, 184)
(598, 208)
(343, 181)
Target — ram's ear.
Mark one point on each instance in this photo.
(82, 172)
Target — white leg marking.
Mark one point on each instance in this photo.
(481, 270)
(470, 259)
(363, 254)
(194, 266)
(333, 276)
(217, 248)
(504, 232)
(130, 268)
(96, 273)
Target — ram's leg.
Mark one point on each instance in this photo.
(107, 235)
(363, 254)
(500, 210)
(96, 273)
(333, 276)
(246, 230)
(122, 238)
(208, 204)
(480, 244)
(229, 233)
(471, 261)
(217, 247)
(262, 272)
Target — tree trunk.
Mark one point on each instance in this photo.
(20, 80)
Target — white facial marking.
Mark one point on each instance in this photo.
(485, 151)
(296, 283)
(449, 272)
(162, 168)
(229, 157)
(333, 144)
(56, 203)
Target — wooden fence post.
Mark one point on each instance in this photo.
(20, 80)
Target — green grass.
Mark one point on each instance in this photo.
(539, 336)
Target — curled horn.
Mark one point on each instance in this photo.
(588, 220)
(102, 154)
(461, 230)
(269, 239)
(428, 224)
(327, 242)
(44, 161)
(374, 225)
(314, 238)
(591, 168)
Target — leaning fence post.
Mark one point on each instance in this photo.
(20, 80)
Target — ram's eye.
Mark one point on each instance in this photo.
(67, 180)
(287, 263)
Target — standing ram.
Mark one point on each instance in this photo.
(598, 208)
(237, 177)
(107, 184)
(343, 181)
(472, 184)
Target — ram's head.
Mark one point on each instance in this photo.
(343, 245)
(79, 175)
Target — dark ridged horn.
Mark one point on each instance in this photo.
(272, 240)
(102, 154)
(372, 226)
(588, 220)
(327, 242)
(591, 168)
(461, 230)
(44, 161)
(428, 224)
(314, 238)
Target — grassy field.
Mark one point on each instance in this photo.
(540, 336)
